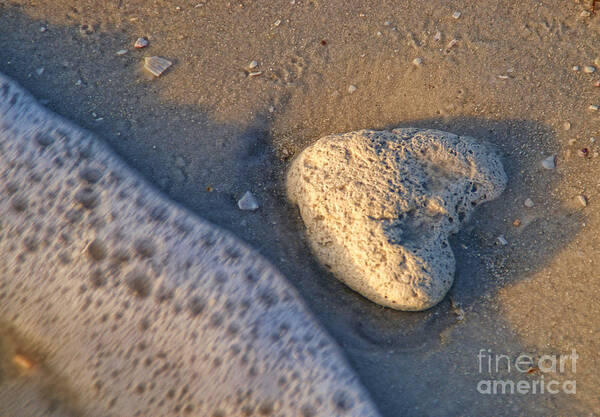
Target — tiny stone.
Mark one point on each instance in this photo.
(277, 22)
(78, 82)
(23, 362)
(121, 52)
(566, 125)
(456, 15)
(501, 240)
(351, 89)
(451, 44)
(417, 62)
(140, 43)
(255, 74)
(39, 71)
(588, 69)
(437, 36)
(253, 65)
(583, 152)
(575, 68)
(549, 163)
(597, 84)
(582, 200)
(517, 223)
(43, 29)
(379, 34)
(585, 13)
(247, 202)
(528, 203)
(593, 107)
(597, 61)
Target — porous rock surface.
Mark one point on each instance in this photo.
(130, 306)
(378, 207)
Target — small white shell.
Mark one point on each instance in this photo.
(582, 200)
(156, 65)
(248, 202)
(141, 43)
(549, 162)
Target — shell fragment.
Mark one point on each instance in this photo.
(156, 65)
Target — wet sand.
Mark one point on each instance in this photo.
(205, 132)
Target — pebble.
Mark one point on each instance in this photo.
(23, 362)
(39, 71)
(140, 43)
(589, 69)
(248, 202)
(255, 74)
(417, 62)
(516, 223)
(582, 200)
(593, 107)
(43, 29)
(583, 152)
(352, 89)
(456, 14)
(437, 36)
(575, 68)
(277, 22)
(585, 13)
(528, 203)
(121, 52)
(567, 125)
(252, 65)
(550, 162)
(502, 240)
(451, 44)
(597, 84)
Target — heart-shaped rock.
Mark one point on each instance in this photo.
(379, 206)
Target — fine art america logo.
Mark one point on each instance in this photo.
(508, 376)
